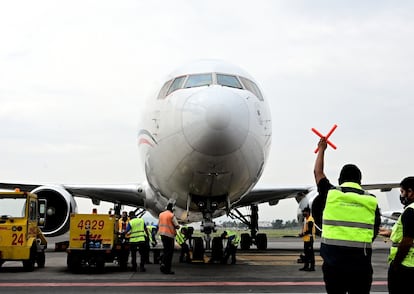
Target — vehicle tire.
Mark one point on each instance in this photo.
(99, 264)
(123, 259)
(198, 248)
(1, 262)
(41, 259)
(29, 264)
(261, 241)
(73, 262)
(245, 241)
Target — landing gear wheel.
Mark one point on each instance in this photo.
(261, 241)
(245, 241)
(217, 250)
(198, 249)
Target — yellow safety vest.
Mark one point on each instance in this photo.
(396, 237)
(180, 237)
(349, 217)
(137, 233)
(233, 237)
(307, 237)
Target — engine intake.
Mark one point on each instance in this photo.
(59, 205)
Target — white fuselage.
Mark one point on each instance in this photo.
(207, 140)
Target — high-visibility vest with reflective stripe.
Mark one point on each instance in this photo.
(137, 233)
(180, 237)
(165, 224)
(349, 217)
(233, 238)
(396, 237)
(150, 228)
(307, 237)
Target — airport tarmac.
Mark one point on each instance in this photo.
(275, 270)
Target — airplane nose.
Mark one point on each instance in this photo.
(215, 120)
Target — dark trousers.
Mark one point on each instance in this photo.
(143, 252)
(309, 254)
(230, 251)
(185, 253)
(399, 280)
(168, 244)
(347, 279)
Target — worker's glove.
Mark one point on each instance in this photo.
(154, 244)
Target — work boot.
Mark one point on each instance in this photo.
(162, 268)
(310, 269)
(304, 269)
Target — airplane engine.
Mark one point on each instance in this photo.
(59, 205)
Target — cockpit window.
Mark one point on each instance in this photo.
(252, 87)
(228, 81)
(177, 84)
(164, 89)
(199, 80)
(206, 79)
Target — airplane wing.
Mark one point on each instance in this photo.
(382, 187)
(303, 195)
(271, 195)
(129, 194)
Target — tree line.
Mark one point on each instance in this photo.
(276, 224)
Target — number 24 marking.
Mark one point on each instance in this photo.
(17, 239)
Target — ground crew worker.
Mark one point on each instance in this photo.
(122, 226)
(231, 247)
(181, 238)
(308, 237)
(152, 234)
(137, 233)
(401, 257)
(167, 226)
(350, 222)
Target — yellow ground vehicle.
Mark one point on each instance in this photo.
(93, 240)
(21, 215)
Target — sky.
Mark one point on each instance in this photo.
(75, 77)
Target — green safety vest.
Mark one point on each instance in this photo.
(180, 237)
(233, 237)
(349, 217)
(137, 233)
(149, 230)
(396, 237)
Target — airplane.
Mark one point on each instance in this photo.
(204, 142)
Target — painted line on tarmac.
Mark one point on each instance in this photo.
(170, 284)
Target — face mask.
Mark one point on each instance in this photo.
(404, 200)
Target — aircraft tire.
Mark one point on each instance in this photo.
(198, 249)
(261, 241)
(217, 249)
(245, 241)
